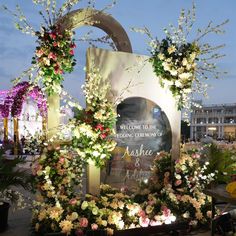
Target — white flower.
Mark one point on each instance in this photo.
(177, 176)
(173, 72)
(171, 49)
(185, 75)
(178, 84)
(95, 153)
(161, 56)
(168, 82)
(166, 66)
(187, 91)
(184, 62)
(186, 215)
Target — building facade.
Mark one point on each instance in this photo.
(217, 121)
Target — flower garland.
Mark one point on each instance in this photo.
(25, 89)
(176, 66)
(181, 65)
(54, 56)
(94, 126)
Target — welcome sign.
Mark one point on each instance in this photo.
(148, 121)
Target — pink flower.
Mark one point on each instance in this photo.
(71, 52)
(51, 55)
(196, 155)
(73, 201)
(103, 136)
(99, 127)
(52, 36)
(166, 212)
(142, 214)
(39, 53)
(178, 182)
(57, 70)
(151, 202)
(72, 45)
(94, 226)
(155, 223)
(55, 44)
(61, 160)
(83, 222)
(144, 221)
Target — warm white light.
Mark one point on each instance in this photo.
(212, 128)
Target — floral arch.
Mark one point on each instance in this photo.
(13, 104)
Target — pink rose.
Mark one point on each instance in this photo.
(166, 212)
(83, 222)
(142, 214)
(53, 56)
(73, 201)
(178, 182)
(144, 221)
(99, 127)
(62, 160)
(94, 226)
(71, 52)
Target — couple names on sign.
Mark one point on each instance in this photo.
(142, 130)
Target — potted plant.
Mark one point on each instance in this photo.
(11, 176)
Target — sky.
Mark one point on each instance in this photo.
(17, 49)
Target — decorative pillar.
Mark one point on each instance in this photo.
(16, 135)
(93, 178)
(5, 123)
(53, 114)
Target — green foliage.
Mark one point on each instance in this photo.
(222, 160)
(11, 176)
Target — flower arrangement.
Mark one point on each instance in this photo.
(180, 190)
(94, 126)
(166, 197)
(54, 56)
(181, 65)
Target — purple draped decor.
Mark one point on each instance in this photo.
(15, 98)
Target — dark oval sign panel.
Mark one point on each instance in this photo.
(142, 130)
